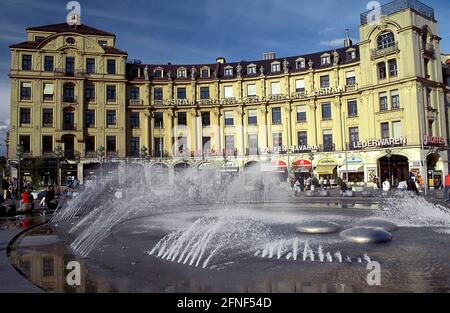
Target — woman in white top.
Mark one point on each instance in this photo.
(386, 185)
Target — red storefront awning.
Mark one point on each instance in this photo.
(302, 166)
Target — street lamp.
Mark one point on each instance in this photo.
(101, 154)
(389, 156)
(58, 154)
(19, 155)
(311, 158)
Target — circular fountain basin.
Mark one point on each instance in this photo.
(376, 222)
(318, 227)
(366, 235)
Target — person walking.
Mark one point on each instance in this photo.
(447, 188)
(386, 185)
(26, 201)
(321, 182)
(420, 182)
(296, 188)
(344, 188)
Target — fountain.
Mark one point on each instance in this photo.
(213, 232)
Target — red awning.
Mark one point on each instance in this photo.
(278, 163)
(302, 163)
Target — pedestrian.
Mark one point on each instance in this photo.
(325, 183)
(447, 188)
(296, 187)
(386, 185)
(5, 187)
(412, 186)
(26, 201)
(420, 181)
(292, 181)
(308, 183)
(321, 182)
(344, 188)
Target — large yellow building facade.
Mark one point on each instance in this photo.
(373, 109)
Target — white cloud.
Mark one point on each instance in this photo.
(327, 30)
(337, 42)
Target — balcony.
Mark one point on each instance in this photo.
(69, 126)
(397, 6)
(68, 99)
(428, 49)
(378, 53)
(136, 102)
(112, 154)
(328, 147)
(62, 72)
(352, 87)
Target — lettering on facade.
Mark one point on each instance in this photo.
(292, 149)
(377, 143)
(434, 141)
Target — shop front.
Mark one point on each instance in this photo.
(277, 167)
(326, 168)
(352, 170)
(302, 168)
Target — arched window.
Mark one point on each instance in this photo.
(385, 40)
(69, 92)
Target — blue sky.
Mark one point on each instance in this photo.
(198, 31)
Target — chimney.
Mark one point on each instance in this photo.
(220, 60)
(269, 56)
(347, 42)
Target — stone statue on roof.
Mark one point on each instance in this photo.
(336, 57)
(261, 70)
(169, 75)
(286, 66)
(193, 72)
(146, 72)
(239, 70)
(310, 64)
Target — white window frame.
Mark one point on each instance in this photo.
(251, 90)
(275, 88)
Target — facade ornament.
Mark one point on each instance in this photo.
(261, 71)
(286, 66)
(310, 64)
(169, 75)
(193, 72)
(146, 72)
(336, 57)
(239, 70)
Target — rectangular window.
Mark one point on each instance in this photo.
(159, 120)
(252, 144)
(251, 70)
(206, 119)
(301, 114)
(134, 93)
(229, 118)
(397, 129)
(326, 60)
(326, 111)
(47, 117)
(228, 72)
(102, 43)
(206, 144)
(110, 93)
(251, 90)
(39, 39)
(383, 101)
(350, 78)
(182, 118)
(229, 144)
(48, 63)
(111, 66)
(381, 67)
(429, 104)
(276, 116)
(302, 138)
(182, 145)
(90, 118)
(275, 67)
(395, 99)
(70, 66)
(181, 93)
(25, 142)
(393, 71)
(90, 144)
(353, 133)
(300, 64)
(352, 106)
(48, 92)
(384, 130)
(134, 120)
(204, 73)
(48, 267)
(25, 116)
(328, 141)
(111, 117)
(25, 91)
(324, 81)
(182, 73)
(300, 85)
(277, 140)
(134, 146)
(158, 93)
(430, 127)
(159, 147)
(157, 73)
(275, 88)
(425, 67)
(26, 62)
(110, 143)
(89, 92)
(204, 93)
(228, 91)
(252, 117)
(90, 65)
(47, 144)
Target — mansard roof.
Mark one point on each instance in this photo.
(64, 28)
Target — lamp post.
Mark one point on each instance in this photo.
(19, 155)
(311, 158)
(389, 156)
(101, 155)
(144, 155)
(58, 154)
(77, 162)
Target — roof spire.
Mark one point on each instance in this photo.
(347, 42)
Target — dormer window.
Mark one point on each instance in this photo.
(204, 72)
(181, 72)
(228, 72)
(158, 73)
(275, 66)
(39, 39)
(325, 59)
(103, 43)
(251, 69)
(300, 63)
